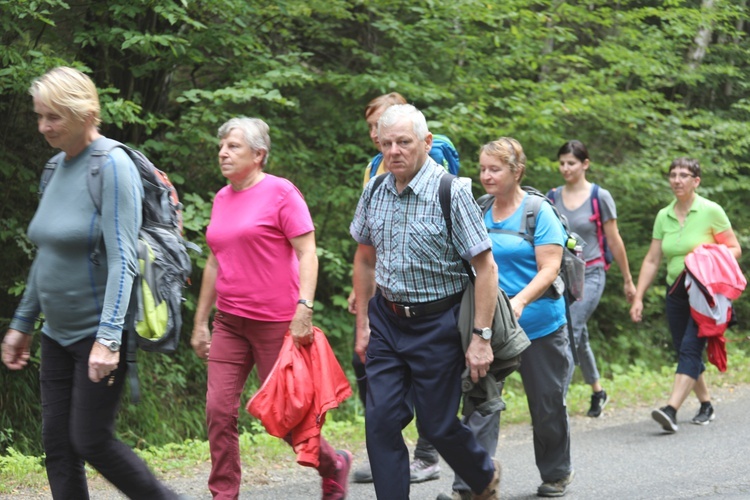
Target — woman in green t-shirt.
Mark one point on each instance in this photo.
(689, 221)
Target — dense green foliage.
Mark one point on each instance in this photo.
(639, 81)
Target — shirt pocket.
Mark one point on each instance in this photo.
(427, 238)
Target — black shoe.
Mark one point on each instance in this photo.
(705, 415)
(598, 401)
(667, 418)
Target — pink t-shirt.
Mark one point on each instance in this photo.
(249, 233)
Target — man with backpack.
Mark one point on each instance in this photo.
(425, 465)
(407, 328)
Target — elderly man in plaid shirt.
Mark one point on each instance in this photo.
(408, 280)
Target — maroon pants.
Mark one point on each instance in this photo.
(238, 344)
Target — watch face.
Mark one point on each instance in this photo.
(486, 333)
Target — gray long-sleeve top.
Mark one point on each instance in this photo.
(80, 296)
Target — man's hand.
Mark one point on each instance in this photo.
(361, 342)
(201, 340)
(352, 301)
(102, 362)
(16, 349)
(479, 356)
(301, 326)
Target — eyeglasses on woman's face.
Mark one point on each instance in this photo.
(673, 176)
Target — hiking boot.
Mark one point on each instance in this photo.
(555, 488)
(336, 486)
(420, 471)
(598, 401)
(455, 495)
(492, 491)
(363, 474)
(667, 417)
(705, 414)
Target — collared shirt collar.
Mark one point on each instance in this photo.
(421, 180)
(697, 202)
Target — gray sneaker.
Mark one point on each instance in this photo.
(705, 415)
(421, 471)
(555, 488)
(363, 474)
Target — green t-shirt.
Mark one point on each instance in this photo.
(705, 220)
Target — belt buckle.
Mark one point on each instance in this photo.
(407, 312)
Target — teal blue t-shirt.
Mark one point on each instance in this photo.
(516, 266)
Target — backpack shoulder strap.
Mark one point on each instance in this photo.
(376, 184)
(49, 170)
(534, 202)
(104, 146)
(485, 202)
(527, 226)
(594, 199)
(444, 196)
(375, 163)
(552, 194)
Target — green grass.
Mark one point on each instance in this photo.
(634, 386)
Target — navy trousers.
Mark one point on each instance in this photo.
(423, 355)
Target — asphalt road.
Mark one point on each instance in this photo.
(622, 455)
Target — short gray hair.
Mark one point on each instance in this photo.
(254, 131)
(398, 112)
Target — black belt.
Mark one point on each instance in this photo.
(425, 308)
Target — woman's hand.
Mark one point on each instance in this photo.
(201, 340)
(629, 291)
(301, 326)
(102, 362)
(517, 305)
(636, 311)
(16, 349)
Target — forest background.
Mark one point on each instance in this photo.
(639, 81)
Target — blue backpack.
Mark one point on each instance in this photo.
(443, 152)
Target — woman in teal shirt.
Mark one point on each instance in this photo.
(689, 221)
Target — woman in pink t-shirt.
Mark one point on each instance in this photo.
(261, 275)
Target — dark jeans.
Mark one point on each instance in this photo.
(688, 346)
(78, 421)
(424, 449)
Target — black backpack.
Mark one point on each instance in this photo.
(154, 315)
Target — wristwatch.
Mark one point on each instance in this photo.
(112, 345)
(307, 303)
(485, 333)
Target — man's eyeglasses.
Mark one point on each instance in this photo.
(682, 176)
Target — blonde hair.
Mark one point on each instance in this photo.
(509, 151)
(68, 92)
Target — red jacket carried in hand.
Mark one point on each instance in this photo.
(713, 281)
(303, 385)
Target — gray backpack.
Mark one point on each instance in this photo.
(154, 315)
